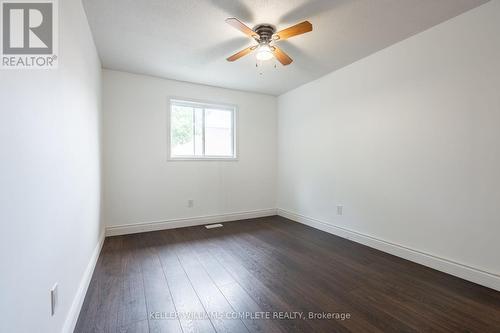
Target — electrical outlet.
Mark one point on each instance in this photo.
(340, 209)
(53, 299)
(190, 203)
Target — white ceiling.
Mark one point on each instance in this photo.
(188, 40)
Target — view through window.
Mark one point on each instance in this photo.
(201, 131)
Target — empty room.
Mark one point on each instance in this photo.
(271, 166)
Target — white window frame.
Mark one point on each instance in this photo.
(203, 105)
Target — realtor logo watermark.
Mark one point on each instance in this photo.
(29, 36)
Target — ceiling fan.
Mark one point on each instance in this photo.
(264, 35)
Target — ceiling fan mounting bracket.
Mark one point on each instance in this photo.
(265, 32)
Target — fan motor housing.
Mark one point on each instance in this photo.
(265, 32)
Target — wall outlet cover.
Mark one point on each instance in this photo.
(53, 299)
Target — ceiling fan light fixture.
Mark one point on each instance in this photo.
(265, 34)
(264, 53)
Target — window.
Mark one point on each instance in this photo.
(201, 131)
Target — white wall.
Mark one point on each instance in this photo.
(49, 180)
(141, 186)
(408, 140)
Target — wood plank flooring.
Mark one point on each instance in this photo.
(256, 275)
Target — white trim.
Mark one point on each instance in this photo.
(76, 306)
(476, 275)
(198, 159)
(133, 228)
(202, 103)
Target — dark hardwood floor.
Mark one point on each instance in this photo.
(241, 277)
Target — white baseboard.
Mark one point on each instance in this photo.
(186, 222)
(76, 306)
(465, 272)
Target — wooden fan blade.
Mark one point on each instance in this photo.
(235, 23)
(281, 56)
(295, 30)
(242, 53)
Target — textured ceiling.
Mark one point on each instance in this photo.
(188, 40)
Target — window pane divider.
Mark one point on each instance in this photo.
(203, 131)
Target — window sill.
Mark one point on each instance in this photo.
(201, 159)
